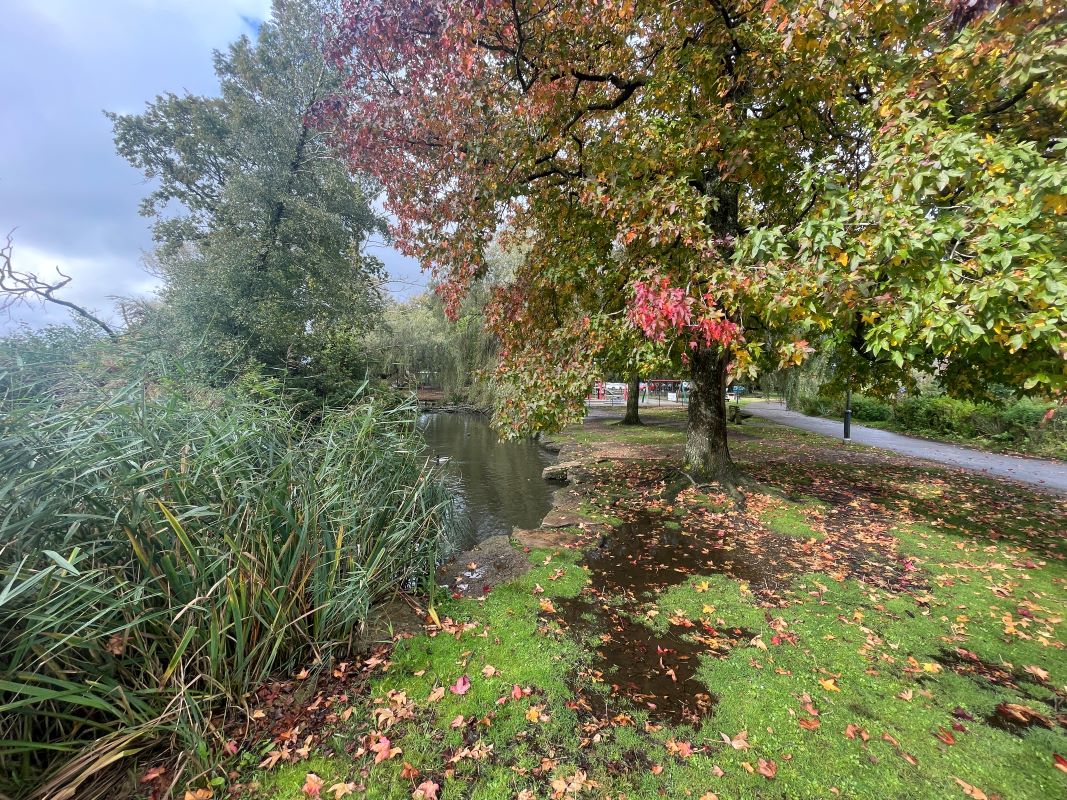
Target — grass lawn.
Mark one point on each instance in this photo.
(860, 628)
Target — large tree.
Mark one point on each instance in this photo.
(660, 161)
(260, 225)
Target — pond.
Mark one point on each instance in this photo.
(498, 483)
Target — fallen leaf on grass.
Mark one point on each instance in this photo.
(459, 721)
(547, 607)
(739, 742)
(971, 791)
(680, 749)
(767, 768)
(489, 670)
(199, 794)
(808, 724)
(340, 790)
(852, 731)
(573, 784)
(829, 685)
(1059, 762)
(709, 796)
(944, 736)
(383, 749)
(461, 686)
(312, 785)
(1021, 715)
(427, 790)
(408, 772)
(656, 769)
(436, 694)
(1037, 672)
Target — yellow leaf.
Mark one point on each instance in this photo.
(1056, 203)
(829, 685)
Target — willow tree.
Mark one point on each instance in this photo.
(659, 160)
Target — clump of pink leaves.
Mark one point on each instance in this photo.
(661, 310)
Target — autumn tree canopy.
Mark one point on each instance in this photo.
(718, 184)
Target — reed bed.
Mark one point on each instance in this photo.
(165, 550)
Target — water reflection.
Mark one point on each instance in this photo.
(498, 483)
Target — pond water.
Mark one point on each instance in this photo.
(498, 484)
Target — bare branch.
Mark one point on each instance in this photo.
(25, 288)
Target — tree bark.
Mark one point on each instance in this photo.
(707, 453)
(633, 398)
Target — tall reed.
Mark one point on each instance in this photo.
(163, 550)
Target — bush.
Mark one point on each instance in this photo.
(1019, 423)
(869, 409)
(940, 415)
(820, 405)
(162, 553)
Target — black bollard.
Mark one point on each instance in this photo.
(848, 415)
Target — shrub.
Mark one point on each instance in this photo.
(163, 552)
(820, 405)
(943, 415)
(870, 409)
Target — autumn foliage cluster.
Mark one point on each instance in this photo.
(884, 178)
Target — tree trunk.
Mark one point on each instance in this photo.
(707, 454)
(633, 397)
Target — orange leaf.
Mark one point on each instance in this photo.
(971, 791)
(767, 768)
(945, 736)
(312, 785)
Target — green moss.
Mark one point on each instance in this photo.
(791, 520)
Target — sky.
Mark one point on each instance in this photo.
(65, 196)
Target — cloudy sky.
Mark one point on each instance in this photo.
(71, 201)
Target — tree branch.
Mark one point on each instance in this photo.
(25, 287)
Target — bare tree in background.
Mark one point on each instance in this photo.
(25, 288)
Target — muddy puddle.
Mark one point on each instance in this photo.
(656, 548)
(634, 663)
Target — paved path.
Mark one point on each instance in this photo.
(1047, 475)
